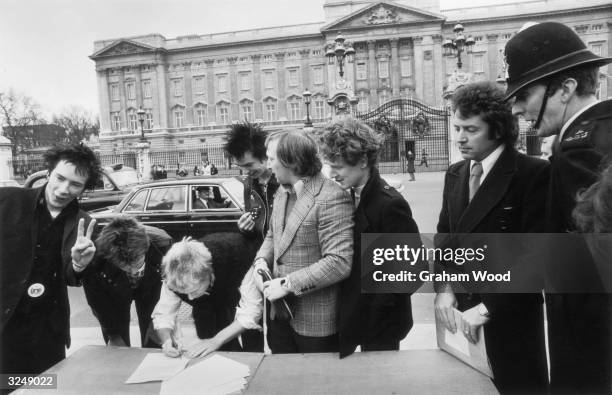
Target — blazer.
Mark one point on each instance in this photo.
(375, 317)
(17, 249)
(511, 199)
(314, 250)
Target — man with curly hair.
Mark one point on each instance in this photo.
(126, 269)
(375, 322)
(44, 247)
(495, 189)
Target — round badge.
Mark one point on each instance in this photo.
(35, 290)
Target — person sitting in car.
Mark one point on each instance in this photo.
(205, 274)
(205, 200)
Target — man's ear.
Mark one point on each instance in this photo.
(568, 89)
(363, 162)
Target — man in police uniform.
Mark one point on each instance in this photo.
(43, 247)
(552, 77)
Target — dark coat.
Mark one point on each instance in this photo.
(510, 200)
(259, 199)
(18, 237)
(110, 295)
(579, 324)
(383, 319)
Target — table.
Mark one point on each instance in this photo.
(380, 372)
(103, 370)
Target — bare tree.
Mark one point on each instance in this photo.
(78, 122)
(17, 111)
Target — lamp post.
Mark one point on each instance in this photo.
(338, 51)
(458, 44)
(141, 118)
(307, 96)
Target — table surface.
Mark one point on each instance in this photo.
(103, 370)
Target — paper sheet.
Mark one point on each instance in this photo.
(458, 341)
(157, 367)
(213, 375)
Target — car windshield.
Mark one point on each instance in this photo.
(124, 177)
(236, 189)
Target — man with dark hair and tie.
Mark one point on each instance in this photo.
(495, 189)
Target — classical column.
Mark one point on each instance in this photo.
(233, 91)
(372, 74)
(138, 87)
(282, 91)
(162, 94)
(418, 67)
(304, 54)
(492, 56)
(258, 106)
(188, 92)
(210, 90)
(439, 75)
(103, 100)
(395, 68)
(122, 99)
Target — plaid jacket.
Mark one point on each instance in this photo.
(314, 250)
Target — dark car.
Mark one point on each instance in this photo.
(175, 206)
(115, 183)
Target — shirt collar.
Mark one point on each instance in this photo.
(573, 118)
(488, 162)
(298, 187)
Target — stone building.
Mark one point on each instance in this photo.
(192, 87)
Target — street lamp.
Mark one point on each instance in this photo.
(307, 96)
(141, 118)
(458, 44)
(338, 51)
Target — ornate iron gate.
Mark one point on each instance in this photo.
(411, 126)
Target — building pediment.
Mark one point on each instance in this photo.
(124, 47)
(380, 14)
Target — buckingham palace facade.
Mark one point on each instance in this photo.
(192, 87)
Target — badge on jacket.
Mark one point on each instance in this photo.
(35, 290)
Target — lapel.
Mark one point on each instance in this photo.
(369, 191)
(490, 193)
(303, 204)
(458, 196)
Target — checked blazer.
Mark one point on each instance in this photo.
(314, 250)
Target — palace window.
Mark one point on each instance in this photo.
(199, 112)
(177, 87)
(146, 89)
(317, 75)
(148, 123)
(362, 71)
(268, 79)
(270, 111)
(406, 67)
(114, 91)
(246, 110)
(595, 48)
(319, 109)
(115, 121)
(245, 81)
(383, 68)
(199, 85)
(130, 88)
(478, 65)
(179, 116)
(132, 119)
(223, 113)
(293, 77)
(294, 110)
(222, 83)
(362, 106)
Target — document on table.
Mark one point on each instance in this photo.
(213, 375)
(157, 367)
(457, 345)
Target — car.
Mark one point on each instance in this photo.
(9, 183)
(172, 205)
(116, 181)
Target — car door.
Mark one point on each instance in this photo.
(221, 213)
(165, 207)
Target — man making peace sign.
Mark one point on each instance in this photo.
(43, 247)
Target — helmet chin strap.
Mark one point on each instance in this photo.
(536, 126)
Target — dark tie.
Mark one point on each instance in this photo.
(291, 198)
(353, 195)
(475, 175)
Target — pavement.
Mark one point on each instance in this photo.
(425, 198)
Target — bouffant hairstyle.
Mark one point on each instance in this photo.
(298, 152)
(246, 136)
(187, 263)
(122, 242)
(350, 140)
(80, 155)
(593, 211)
(486, 99)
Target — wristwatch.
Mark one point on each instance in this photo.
(482, 310)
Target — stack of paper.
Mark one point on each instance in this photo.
(157, 367)
(215, 375)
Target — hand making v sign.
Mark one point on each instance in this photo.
(83, 250)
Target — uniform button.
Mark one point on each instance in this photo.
(386, 187)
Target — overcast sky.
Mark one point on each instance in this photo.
(45, 44)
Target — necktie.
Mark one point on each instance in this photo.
(475, 174)
(353, 196)
(291, 198)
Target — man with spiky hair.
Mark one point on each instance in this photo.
(126, 268)
(43, 247)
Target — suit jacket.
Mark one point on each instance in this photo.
(110, 294)
(314, 249)
(379, 318)
(18, 237)
(510, 200)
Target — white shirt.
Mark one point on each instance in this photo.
(488, 162)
